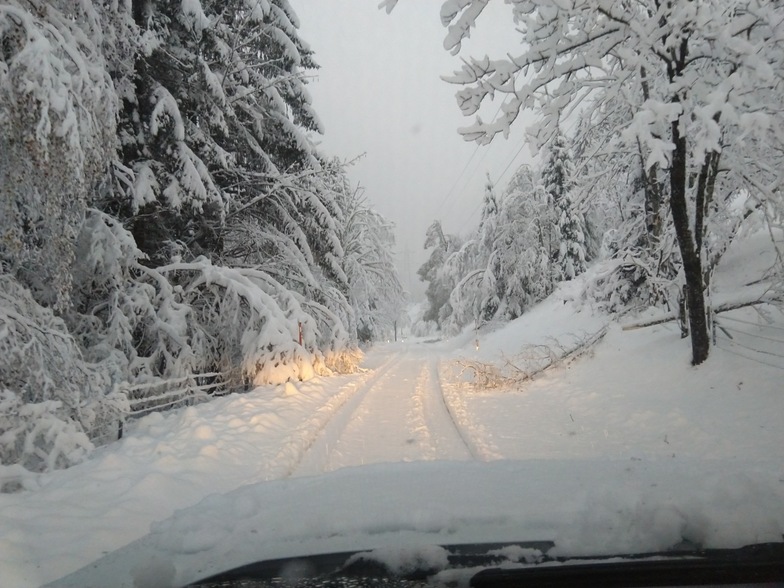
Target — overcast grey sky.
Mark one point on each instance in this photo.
(378, 92)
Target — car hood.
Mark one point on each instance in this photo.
(584, 507)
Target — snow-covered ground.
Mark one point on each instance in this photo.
(626, 448)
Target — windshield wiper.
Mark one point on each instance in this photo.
(755, 564)
(314, 570)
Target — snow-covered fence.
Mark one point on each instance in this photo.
(171, 393)
(175, 392)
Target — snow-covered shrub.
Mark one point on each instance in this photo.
(344, 361)
(637, 269)
(141, 322)
(38, 436)
(244, 324)
(51, 399)
(568, 249)
(335, 349)
(629, 280)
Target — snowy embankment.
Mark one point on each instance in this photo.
(626, 448)
(636, 396)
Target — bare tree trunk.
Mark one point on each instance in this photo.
(692, 265)
(688, 243)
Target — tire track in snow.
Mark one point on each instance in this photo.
(473, 436)
(401, 413)
(446, 436)
(311, 442)
(417, 419)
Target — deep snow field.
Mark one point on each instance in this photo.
(627, 447)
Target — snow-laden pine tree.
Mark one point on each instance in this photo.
(492, 283)
(557, 170)
(474, 298)
(367, 238)
(440, 283)
(569, 243)
(217, 113)
(525, 242)
(57, 130)
(571, 236)
(218, 164)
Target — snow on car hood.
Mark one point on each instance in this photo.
(585, 507)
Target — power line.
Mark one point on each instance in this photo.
(773, 365)
(462, 190)
(753, 335)
(465, 167)
(738, 343)
(470, 216)
(731, 341)
(497, 182)
(407, 266)
(460, 175)
(761, 326)
(511, 161)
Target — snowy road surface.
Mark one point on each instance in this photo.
(399, 414)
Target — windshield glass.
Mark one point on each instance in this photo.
(282, 278)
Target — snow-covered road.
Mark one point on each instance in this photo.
(399, 414)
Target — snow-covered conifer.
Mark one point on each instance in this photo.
(218, 112)
(440, 284)
(367, 238)
(569, 242)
